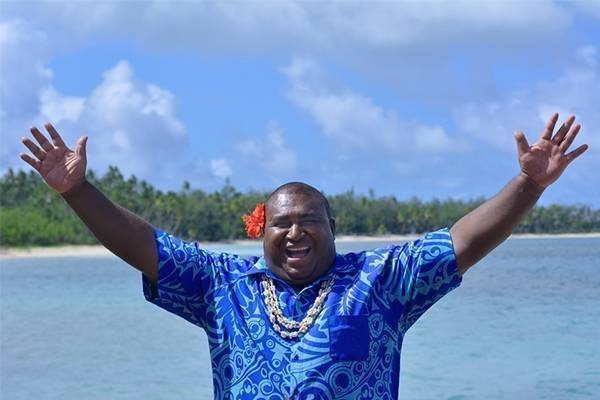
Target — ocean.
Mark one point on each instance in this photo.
(524, 324)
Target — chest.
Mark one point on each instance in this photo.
(355, 321)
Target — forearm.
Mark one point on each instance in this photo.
(481, 230)
(122, 232)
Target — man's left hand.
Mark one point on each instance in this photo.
(544, 161)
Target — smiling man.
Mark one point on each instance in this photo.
(299, 234)
(304, 321)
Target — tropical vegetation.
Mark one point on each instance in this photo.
(32, 214)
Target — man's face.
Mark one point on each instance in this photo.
(299, 238)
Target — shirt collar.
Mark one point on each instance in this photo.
(259, 267)
(341, 265)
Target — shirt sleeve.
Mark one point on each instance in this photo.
(187, 278)
(424, 271)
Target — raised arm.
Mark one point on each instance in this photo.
(119, 230)
(481, 230)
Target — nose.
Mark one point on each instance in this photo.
(295, 232)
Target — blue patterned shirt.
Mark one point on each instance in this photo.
(352, 351)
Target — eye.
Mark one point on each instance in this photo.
(281, 224)
(311, 221)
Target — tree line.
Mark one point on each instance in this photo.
(32, 214)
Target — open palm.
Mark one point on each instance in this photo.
(61, 167)
(545, 160)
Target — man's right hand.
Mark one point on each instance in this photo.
(62, 168)
(119, 230)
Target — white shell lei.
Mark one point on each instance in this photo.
(285, 326)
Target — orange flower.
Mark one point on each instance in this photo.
(255, 222)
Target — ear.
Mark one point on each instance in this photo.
(332, 226)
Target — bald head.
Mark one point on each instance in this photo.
(300, 188)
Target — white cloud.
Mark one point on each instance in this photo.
(590, 8)
(221, 168)
(400, 43)
(354, 121)
(24, 52)
(432, 160)
(575, 91)
(386, 24)
(271, 152)
(130, 123)
(255, 26)
(396, 45)
(404, 44)
(56, 107)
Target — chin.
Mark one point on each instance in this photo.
(297, 276)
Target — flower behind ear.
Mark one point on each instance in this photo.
(255, 221)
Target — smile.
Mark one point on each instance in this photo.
(297, 251)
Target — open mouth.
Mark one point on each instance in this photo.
(297, 251)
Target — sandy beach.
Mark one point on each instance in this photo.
(96, 250)
(54, 251)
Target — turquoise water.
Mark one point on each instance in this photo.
(525, 324)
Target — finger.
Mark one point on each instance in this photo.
(547, 134)
(31, 161)
(46, 145)
(522, 144)
(39, 153)
(564, 145)
(80, 150)
(56, 139)
(577, 152)
(562, 131)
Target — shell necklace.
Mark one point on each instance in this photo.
(285, 326)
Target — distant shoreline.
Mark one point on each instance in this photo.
(97, 250)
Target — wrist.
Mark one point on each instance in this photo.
(74, 189)
(529, 185)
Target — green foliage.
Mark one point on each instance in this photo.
(32, 214)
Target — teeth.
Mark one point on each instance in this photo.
(298, 249)
(297, 252)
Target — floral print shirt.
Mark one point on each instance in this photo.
(352, 351)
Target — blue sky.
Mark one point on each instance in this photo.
(408, 99)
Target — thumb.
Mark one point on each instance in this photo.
(522, 144)
(80, 150)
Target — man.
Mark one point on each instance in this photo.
(303, 321)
